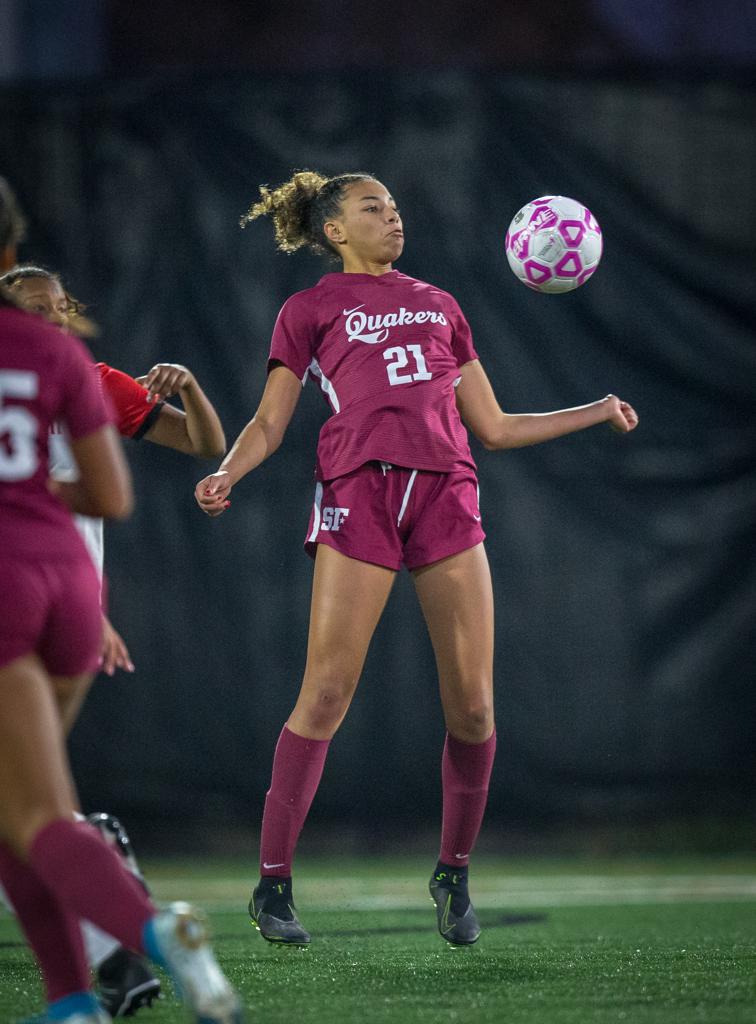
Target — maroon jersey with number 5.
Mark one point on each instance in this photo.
(386, 351)
(45, 376)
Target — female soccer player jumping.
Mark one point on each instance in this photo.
(396, 485)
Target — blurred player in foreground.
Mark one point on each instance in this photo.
(396, 485)
(126, 981)
(141, 412)
(57, 871)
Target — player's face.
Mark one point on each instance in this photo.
(369, 227)
(43, 296)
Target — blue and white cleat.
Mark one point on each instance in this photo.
(181, 941)
(96, 1017)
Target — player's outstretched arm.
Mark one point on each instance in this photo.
(257, 442)
(496, 429)
(196, 430)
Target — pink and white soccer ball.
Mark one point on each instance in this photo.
(554, 244)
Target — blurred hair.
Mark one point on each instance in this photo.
(301, 206)
(12, 223)
(8, 299)
(77, 322)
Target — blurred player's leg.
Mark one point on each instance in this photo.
(32, 764)
(348, 597)
(66, 863)
(70, 693)
(126, 982)
(456, 598)
(125, 979)
(54, 936)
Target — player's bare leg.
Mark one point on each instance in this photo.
(35, 790)
(457, 601)
(56, 871)
(36, 787)
(348, 597)
(70, 694)
(126, 981)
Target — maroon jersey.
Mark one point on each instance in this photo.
(45, 375)
(386, 352)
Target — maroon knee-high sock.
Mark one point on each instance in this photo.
(465, 774)
(90, 880)
(297, 768)
(53, 933)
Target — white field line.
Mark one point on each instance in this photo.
(502, 893)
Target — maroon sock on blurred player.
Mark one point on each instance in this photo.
(297, 768)
(53, 933)
(91, 881)
(465, 774)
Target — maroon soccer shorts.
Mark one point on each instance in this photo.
(51, 608)
(393, 516)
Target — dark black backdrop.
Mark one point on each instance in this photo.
(623, 566)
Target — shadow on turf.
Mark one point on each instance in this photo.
(498, 921)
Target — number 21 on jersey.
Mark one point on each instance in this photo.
(18, 427)
(398, 358)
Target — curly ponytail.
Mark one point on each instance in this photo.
(301, 206)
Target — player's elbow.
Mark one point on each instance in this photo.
(121, 509)
(491, 436)
(497, 433)
(214, 449)
(489, 442)
(118, 501)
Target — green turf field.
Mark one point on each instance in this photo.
(567, 942)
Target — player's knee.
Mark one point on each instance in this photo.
(328, 701)
(472, 721)
(331, 702)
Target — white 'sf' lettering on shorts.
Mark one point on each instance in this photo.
(394, 516)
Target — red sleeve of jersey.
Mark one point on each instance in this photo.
(133, 413)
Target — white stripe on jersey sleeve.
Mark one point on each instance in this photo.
(325, 384)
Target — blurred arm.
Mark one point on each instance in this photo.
(104, 484)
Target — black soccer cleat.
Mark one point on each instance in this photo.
(457, 921)
(272, 911)
(126, 983)
(115, 835)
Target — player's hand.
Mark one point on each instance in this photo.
(212, 493)
(115, 653)
(165, 379)
(620, 415)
